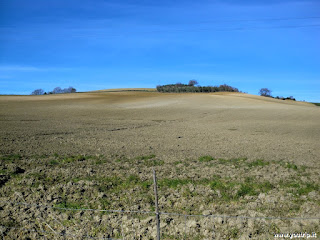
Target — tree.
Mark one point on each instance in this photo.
(265, 92)
(57, 90)
(71, 90)
(193, 82)
(38, 92)
(227, 88)
(179, 84)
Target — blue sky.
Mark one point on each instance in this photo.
(102, 44)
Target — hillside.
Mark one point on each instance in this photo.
(217, 154)
(219, 124)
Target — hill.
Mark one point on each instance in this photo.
(214, 153)
(285, 127)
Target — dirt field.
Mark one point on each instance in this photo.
(168, 125)
(215, 153)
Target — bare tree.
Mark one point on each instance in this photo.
(193, 82)
(265, 92)
(71, 90)
(38, 92)
(57, 90)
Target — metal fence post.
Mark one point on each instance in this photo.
(156, 203)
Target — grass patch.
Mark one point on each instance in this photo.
(177, 162)
(259, 162)
(265, 186)
(68, 205)
(147, 157)
(11, 157)
(109, 183)
(225, 188)
(4, 171)
(233, 191)
(133, 179)
(173, 183)
(234, 233)
(146, 184)
(59, 159)
(299, 188)
(222, 161)
(150, 161)
(317, 104)
(253, 189)
(10, 223)
(291, 166)
(309, 187)
(37, 176)
(205, 158)
(73, 159)
(153, 162)
(116, 184)
(104, 203)
(100, 161)
(54, 162)
(246, 189)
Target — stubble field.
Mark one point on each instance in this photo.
(216, 154)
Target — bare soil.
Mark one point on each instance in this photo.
(216, 153)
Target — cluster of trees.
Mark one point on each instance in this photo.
(267, 93)
(191, 87)
(56, 90)
(285, 98)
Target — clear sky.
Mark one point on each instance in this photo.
(100, 44)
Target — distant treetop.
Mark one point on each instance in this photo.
(190, 87)
(193, 82)
(56, 90)
(265, 92)
(38, 92)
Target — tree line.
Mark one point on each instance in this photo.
(193, 86)
(56, 90)
(265, 92)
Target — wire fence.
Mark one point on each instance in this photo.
(25, 220)
(51, 222)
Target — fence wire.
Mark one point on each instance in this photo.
(84, 223)
(161, 213)
(59, 234)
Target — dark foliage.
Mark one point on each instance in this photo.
(287, 98)
(193, 82)
(265, 92)
(59, 90)
(180, 88)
